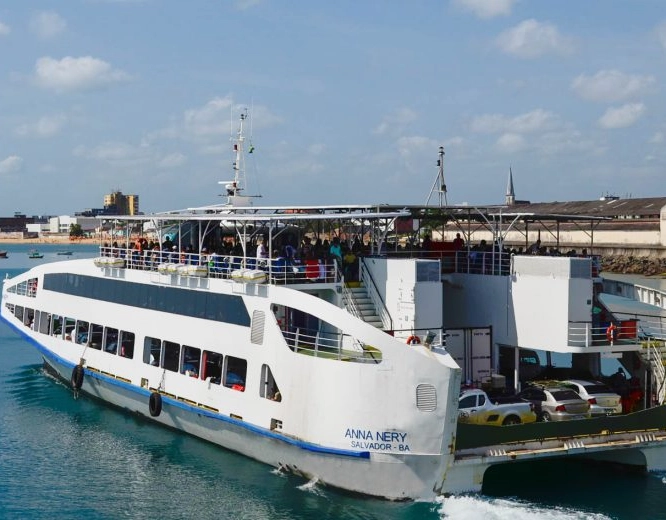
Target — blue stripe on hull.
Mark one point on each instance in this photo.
(48, 355)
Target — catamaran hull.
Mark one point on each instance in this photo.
(394, 477)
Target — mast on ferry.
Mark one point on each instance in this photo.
(236, 187)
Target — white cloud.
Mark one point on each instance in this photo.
(241, 5)
(47, 24)
(11, 164)
(396, 121)
(316, 149)
(611, 85)
(416, 145)
(46, 126)
(622, 117)
(534, 121)
(172, 160)
(454, 142)
(530, 39)
(565, 141)
(215, 118)
(76, 73)
(211, 119)
(510, 143)
(486, 8)
(661, 34)
(657, 138)
(4, 29)
(113, 151)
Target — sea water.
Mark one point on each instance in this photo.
(67, 458)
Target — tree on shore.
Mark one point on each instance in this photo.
(75, 231)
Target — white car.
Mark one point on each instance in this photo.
(603, 401)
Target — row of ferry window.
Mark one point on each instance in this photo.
(194, 362)
(25, 288)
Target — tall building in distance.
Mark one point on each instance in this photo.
(119, 204)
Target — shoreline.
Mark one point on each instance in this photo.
(49, 240)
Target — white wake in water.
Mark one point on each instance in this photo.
(475, 507)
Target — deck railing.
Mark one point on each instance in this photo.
(277, 271)
(331, 346)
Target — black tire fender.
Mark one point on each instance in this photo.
(155, 404)
(77, 377)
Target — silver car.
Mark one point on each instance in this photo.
(556, 403)
(603, 401)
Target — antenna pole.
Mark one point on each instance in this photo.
(439, 185)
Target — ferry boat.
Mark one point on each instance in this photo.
(216, 322)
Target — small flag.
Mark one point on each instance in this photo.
(251, 149)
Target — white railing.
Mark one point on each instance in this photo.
(655, 353)
(327, 346)
(350, 302)
(278, 271)
(584, 334)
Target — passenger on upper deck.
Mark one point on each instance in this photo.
(305, 249)
(262, 250)
(458, 243)
(535, 248)
(336, 250)
(357, 247)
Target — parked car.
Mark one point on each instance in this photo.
(603, 401)
(556, 403)
(474, 406)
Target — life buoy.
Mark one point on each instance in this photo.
(611, 332)
(155, 404)
(413, 340)
(77, 377)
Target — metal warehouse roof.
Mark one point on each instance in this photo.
(609, 207)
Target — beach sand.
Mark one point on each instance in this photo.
(54, 239)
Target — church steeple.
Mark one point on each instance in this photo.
(510, 199)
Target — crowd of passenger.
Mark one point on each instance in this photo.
(316, 260)
(321, 259)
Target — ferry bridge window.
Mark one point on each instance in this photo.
(110, 340)
(191, 361)
(81, 332)
(127, 344)
(235, 374)
(199, 304)
(70, 324)
(171, 356)
(269, 388)
(22, 288)
(96, 334)
(152, 351)
(211, 363)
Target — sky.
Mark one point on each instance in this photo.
(348, 101)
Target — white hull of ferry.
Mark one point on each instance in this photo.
(397, 477)
(354, 426)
